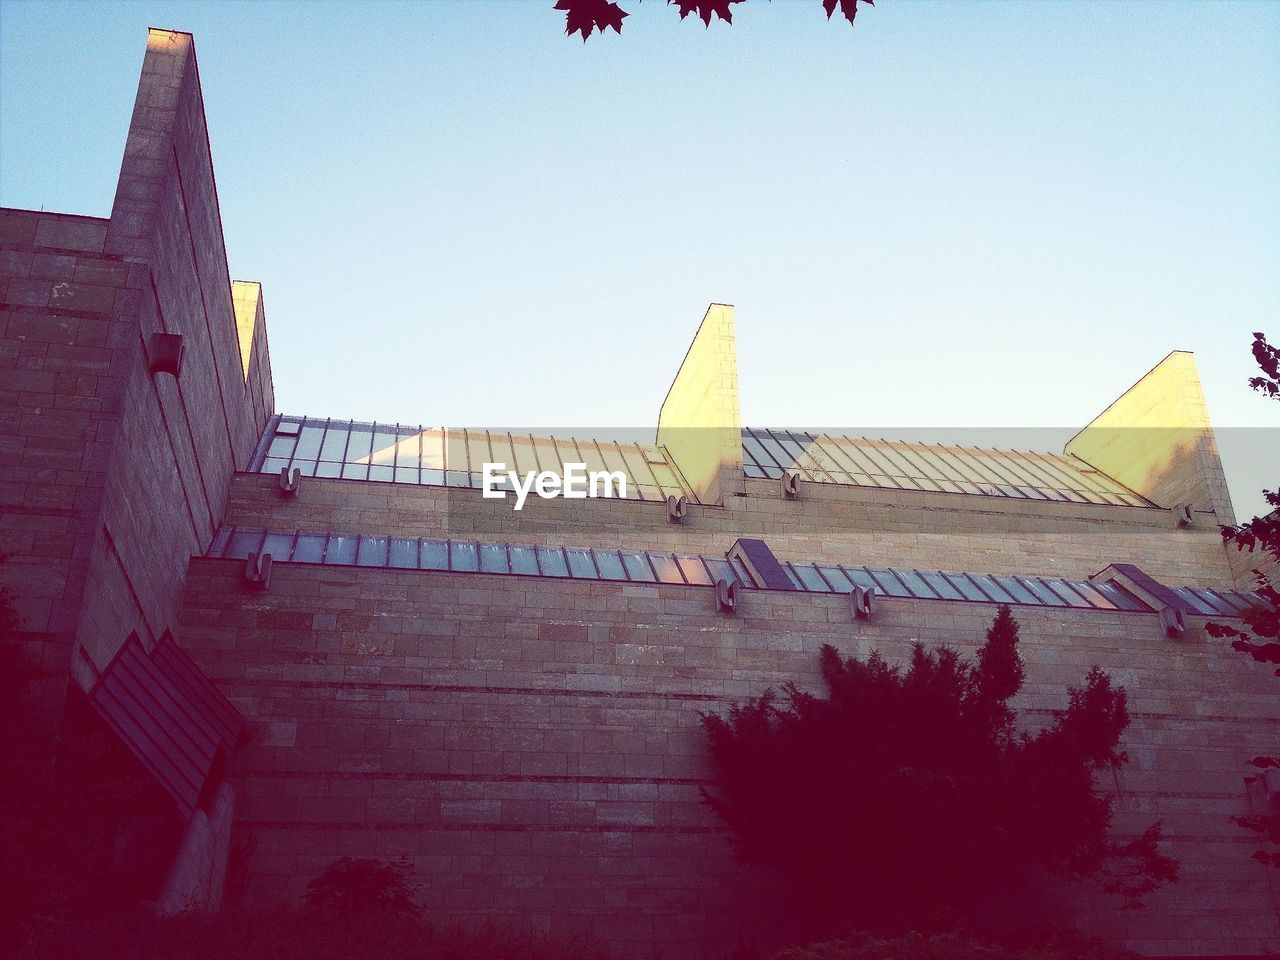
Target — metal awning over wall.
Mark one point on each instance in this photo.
(171, 716)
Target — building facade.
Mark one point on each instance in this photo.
(508, 698)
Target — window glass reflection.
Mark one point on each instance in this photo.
(552, 563)
(694, 571)
(279, 545)
(888, 584)
(244, 542)
(340, 549)
(404, 553)
(810, 579)
(372, 552)
(664, 565)
(462, 556)
(434, 555)
(309, 548)
(335, 442)
(308, 443)
(941, 585)
(610, 565)
(721, 569)
(580, 564)
(493, 558)
(638, 568)
(524, 560)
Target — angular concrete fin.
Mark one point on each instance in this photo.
(1157, 440)
(255, 358)
(700, 423)
(166, 215)
(168, 76)
(246, 297)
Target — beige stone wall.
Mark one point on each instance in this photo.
(115, 477)
(1156, 438)
(700, 423)
(533, 745)
(65, 336)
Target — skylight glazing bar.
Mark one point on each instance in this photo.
(882, 472)
(928, 464)
(808, 445)
(1062, 478)
(900, 470)
(821, 452)
(842, 455)
(922, 470)
(1009, 477)
(1036, 475)
(962, 470)
(992, 480)
(761, 454)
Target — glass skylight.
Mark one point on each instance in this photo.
(461, 556)
(438, 456)
(902, 465)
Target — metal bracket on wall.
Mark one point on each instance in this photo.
(257, 570)
(677, 508)
(1183, 515)
(290, 481)
(726, 595)
(1174, 621)
(790, 485)
(862, 601)
(164, 353)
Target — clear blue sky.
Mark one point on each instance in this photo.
(953, 214)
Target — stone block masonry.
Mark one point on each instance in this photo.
(533, 745)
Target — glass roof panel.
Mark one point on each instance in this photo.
(398, 453)
(942, 585)
(610, 565)
(824, 458)
(403, 553)
(810, 577)
(434, 555)
(309, 548)
(524, 560)
(638, 568)
(694, 571)
(552, 563)
(645, 567)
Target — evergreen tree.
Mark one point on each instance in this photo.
(909, 793)
(1261, 638)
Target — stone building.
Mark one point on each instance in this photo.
(511, 699)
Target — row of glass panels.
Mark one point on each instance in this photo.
(396, 453)
(931, 585)
(1229, 602)
(421, 553)
(919, 466)
(1044, 591)
(410, 553)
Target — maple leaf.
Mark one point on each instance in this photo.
(705, 8)
(848, 8)
(583, 16)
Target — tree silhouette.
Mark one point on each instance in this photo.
(1262, 638)
(584, 16)
(905, 794)
(351, 885)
